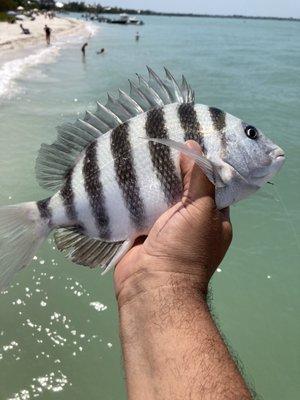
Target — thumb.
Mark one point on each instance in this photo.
(195, 183)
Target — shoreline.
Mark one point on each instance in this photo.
(11, 38)
(251, 17)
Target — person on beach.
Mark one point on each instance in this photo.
(171, 345)
(25, 30)
(137, 36)
(83, 49)
(48, 34)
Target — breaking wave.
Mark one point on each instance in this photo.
(12, 70)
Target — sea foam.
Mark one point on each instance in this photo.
(12, 70)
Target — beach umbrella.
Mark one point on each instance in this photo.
(20, 8)
(58, 4)
(11, 13)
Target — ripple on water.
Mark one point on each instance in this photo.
(48, 336)
(52, 382)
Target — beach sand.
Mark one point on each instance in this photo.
(12, 38)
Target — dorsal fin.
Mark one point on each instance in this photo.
(55, 160)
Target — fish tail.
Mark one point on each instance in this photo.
(22, 231)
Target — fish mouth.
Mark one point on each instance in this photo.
(278, 158)
(277, 154)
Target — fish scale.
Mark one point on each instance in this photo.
(115, 171)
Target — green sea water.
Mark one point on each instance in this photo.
(58, 321)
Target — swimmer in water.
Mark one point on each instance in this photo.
(101, 51)
(83, 48)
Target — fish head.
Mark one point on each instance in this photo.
(244, 159)
(253, 155)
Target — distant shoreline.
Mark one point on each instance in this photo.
(162, 14)
(98, 10)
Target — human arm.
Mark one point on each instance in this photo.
(172, 348)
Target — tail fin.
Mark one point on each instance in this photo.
(22, 231)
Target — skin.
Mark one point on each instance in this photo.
(171, 346)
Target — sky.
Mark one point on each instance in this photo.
(277, 8)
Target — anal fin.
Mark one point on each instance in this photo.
(122, 250)
(90, 252)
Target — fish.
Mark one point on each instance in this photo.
(116, 170)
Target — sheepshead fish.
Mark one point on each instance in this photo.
(115, 171)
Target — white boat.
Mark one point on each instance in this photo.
(135, 21)
(124, 19)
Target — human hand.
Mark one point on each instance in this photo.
(188, 240)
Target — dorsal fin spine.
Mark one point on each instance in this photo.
(164, 94)
(107, 116)
(117, 108)
(141, 99)
(126, 100)
(151, 96)
(96, 122)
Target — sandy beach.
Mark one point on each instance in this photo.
(11, 36)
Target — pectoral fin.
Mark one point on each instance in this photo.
(206, 166)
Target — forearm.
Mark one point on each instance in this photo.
(171, 346)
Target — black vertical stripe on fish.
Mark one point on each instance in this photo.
(189, 122)
(67, 196)
(125, 174)
(94, 189)
(162, 161)
(43, 207)
(218, 118)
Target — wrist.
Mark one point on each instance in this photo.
(155, 279)
(158, 306)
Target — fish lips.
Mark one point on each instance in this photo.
(266, 173)
(278, 159)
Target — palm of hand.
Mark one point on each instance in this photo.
(191, 237)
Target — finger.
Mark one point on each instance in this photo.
(226, 214)
(186, 162)
(196, 184)
(227, 233)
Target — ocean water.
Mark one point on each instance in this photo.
(58, 321)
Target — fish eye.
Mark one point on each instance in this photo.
(251, 132)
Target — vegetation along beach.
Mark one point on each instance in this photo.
(59, 331)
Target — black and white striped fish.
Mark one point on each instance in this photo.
(117, 170)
